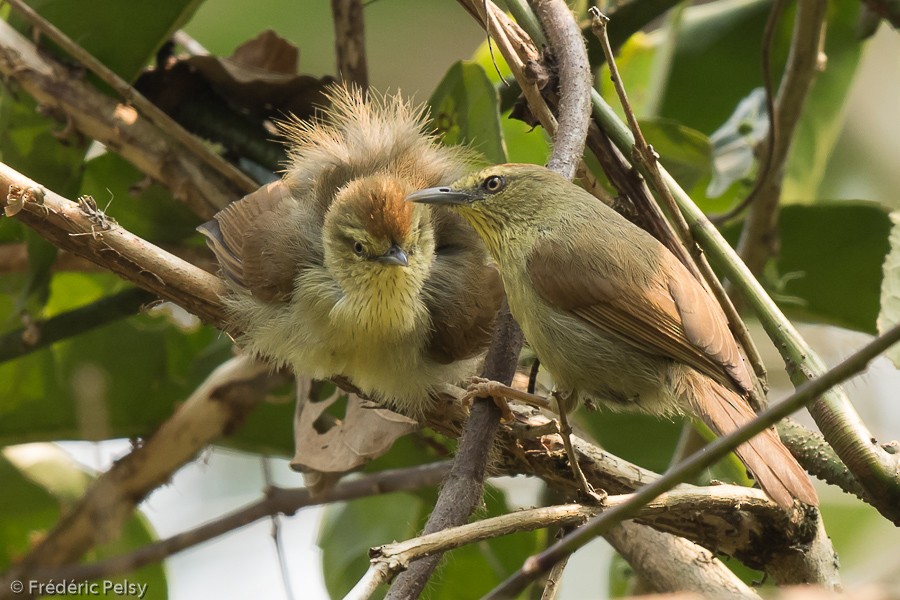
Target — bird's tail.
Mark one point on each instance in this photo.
(773, 466)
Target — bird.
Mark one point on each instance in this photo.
(332, 273)
(612, 314)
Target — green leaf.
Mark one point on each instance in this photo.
(464, 109)
(830, 263)
(889, 315)
(703, 92)
(642, 439)
(526, 144)
(139, 28)
(348, 531)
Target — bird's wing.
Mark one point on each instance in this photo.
(462, 293)
(667, 312)
(249, 253)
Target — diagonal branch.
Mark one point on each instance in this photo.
(696, 463)
(117, 126)
(83, 230)
(277, 501)
(164, 122)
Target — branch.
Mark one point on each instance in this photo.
(875, 469)
(350, 41)
(685, 567)
(758, 239)
(696, 463)
(216, 407)
(82, 229)
(277, 501)
(574, 110)
(117, 126)
(164, 122)
(41, 334)
(676, 506)
(461, 493)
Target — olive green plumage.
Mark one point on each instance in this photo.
(611, 313)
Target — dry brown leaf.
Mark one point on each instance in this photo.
(363, 434)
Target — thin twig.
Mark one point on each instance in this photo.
(41, 334)
(350, 42)
(132, 96)
(645, 156)
(695, 464)
(759, 236)
(277, 501)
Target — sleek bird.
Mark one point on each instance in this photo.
(332, 273)
(611, 313)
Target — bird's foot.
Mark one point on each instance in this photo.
(565, 432)
(479, 387)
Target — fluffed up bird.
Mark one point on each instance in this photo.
(332, 273)
(612, 313)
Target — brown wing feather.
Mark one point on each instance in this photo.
(462, 293)
(241, 238)
(663, 309)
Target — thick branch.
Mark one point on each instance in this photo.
(677, 506)
(677, 569)
(116, 125)
(82, 229)
(218, 406)
(461, 493)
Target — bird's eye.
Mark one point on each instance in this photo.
(494, 184)
(359, 248)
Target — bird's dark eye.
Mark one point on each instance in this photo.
(494, 184)
(359, 248)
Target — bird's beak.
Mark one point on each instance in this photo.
(441, 195)
(394, 256)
